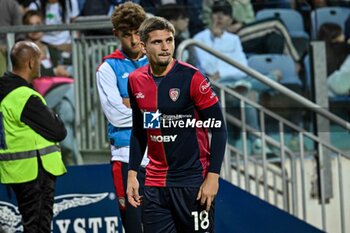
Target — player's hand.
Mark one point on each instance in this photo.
(126, 102)
(132, 190)
(208, 190)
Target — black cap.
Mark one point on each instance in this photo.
(222, 6)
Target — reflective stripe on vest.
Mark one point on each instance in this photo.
(29, 154)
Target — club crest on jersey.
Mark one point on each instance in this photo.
(174, 94)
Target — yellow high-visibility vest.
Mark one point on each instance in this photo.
(20, 145)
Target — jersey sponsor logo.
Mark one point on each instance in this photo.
(139, 95)
(204, 87)
(163, 138)
(192, 123)
(156, 120)
(125, 75)
(151, 120)
(174, 94)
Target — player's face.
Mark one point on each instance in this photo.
(130, 43)
(160, 47)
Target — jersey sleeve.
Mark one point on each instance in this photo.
(201, 92)
(138, 138)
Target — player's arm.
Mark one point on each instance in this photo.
(210, 186)
(208, 107)
(115, 108)
(138, 144)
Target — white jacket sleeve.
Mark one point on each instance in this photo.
(112, 103)
(339, 81)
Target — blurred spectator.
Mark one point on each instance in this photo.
(193, 6)
(338, 58)
(58, 12)
(229, 44)
(178, 16)
(98, 7)
(50, 56)
(28, 5)
(218, 38)
(260, 37)
(242, 11)
(10, 14)
(81, 4)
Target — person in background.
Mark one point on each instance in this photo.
(10, 15)
(112, 78)
(229, 44)
(193, 6)
(27, 5)
(338, 59)
(30, 157)
(58, 12)
(178, 16)
(242, 11)
(50, 56)
(182, 176)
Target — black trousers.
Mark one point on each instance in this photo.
(35, 201)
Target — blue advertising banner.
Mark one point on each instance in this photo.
(85, 202)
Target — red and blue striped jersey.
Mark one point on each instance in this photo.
(168, 119)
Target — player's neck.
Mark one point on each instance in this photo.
(161, 70)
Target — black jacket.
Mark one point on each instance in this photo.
(35, 114)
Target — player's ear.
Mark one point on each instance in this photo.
(143, 47)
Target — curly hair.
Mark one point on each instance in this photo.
(128, 16)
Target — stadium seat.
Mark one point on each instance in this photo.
(268, 62)
(328, 15)
(292, 19)
(275, 101)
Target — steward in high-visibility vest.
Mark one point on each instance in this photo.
(30, 158)
(20, 145)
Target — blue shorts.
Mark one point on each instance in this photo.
(174, 209)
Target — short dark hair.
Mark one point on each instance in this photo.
(329, 31)
(153, 24)
(172, 11)
(29, 14)
(128, 16)
(222, 6)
